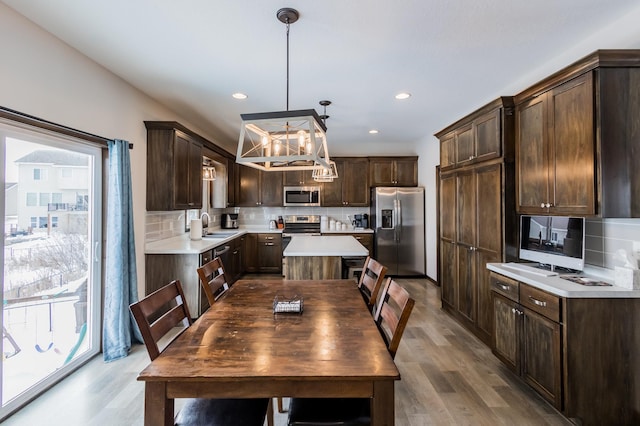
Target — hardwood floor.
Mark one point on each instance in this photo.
(448, 378)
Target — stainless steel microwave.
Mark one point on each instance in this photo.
(301, 196)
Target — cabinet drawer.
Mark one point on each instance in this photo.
(268, 238)
(505, 286)
(540, 301)
(206, 257)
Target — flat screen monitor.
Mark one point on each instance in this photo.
(553, 240)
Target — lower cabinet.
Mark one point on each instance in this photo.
(527, 340)
(263, 253)
(580, 354)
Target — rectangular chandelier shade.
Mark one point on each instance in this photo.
(283, 140)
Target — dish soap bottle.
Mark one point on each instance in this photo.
(280, 223)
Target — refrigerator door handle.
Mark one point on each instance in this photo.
(399, 219)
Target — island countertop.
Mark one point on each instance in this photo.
(316, 245)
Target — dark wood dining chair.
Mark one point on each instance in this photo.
(162, 316)
(213, 279)
(371, 280)
(391, 317)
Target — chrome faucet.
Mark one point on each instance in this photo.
(205, 222)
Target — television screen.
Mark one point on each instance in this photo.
(553, 240)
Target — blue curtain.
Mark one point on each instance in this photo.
(121, 287)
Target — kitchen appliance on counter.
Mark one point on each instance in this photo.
(397, 217)
(229, 221)
(361, 220)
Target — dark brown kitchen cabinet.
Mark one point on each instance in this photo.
(351, 188)
(393, 171)
(299, 178)
(263, 253)
(256, 188)
(556, 150)
(477, 213)
(525, 339)
(174, 169)
(576, 137)
(475, 138)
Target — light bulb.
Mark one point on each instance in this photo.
(301, 137)
(265, 140)
(308, 150)
(276, 148)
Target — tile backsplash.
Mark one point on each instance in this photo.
(604, 237)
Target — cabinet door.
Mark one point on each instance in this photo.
(465, 151)
(271, 189)
(447, 151)
(332, 191)
(299, 178)
(466, 208)
(251, 253)
(355, 186)
(181, 176)
(483, 283)
(541, 362)
(487, 136)
(248, 193)
(572, 147)
(270, 252)
(489, 209)
(195, 175)
(448, 272)
(531, 164)
(381, 172)
(448, 207)
(366, 240)
(506, 331)
(467, 286)
(406, 172)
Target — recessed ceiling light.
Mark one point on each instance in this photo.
(239, 95)
(403, 95)
(373, 131)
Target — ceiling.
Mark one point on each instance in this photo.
(452, 56)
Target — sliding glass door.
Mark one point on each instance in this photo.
(51, 213)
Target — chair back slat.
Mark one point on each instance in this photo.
(371, 281)
(160, 312)
(393, 314)
(213, 279)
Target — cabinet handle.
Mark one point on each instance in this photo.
(548, 205)
(269, 238)
(516, 311)
(504, 287)
(542, 205)
(268, 244)
(538, 302)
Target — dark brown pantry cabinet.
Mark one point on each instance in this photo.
(477, 215)
(174, 168)
(577, 143)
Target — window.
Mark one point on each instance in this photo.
(66, 172)
(32, 199)
(58, 333)
(39, 174)
(45, 198)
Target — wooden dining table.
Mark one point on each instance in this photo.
(240, 349)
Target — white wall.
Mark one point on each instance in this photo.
(43, 77)
(428, 158)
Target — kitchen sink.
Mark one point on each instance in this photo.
(220, 234)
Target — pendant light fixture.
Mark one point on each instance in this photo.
(324, 174)
(283, 140)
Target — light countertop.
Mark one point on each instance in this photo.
(182, 244)
(565, 288)
(348, 231)
(333, 245)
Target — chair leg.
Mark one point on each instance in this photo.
(270, 421)
(280, 407)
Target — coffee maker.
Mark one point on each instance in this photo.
(361, 220)
(229, 221)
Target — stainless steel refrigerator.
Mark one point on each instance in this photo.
(397, 217)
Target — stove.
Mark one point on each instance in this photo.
(301, 225)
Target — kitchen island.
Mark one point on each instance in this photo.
(319, 257)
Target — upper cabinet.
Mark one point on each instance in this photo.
(476, 138)
(255, 188)
(174, 168)
(299, 178)
(393, 171)
(577, 140)
(351, 188)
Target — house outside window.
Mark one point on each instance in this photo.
(39, 174)
(45, 198)
(32, 199)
